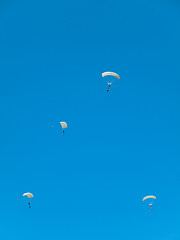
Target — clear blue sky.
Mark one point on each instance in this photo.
(119, 147)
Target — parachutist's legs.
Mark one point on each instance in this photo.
(151, 207)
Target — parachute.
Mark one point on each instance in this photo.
(63, 124)
(150, 196)
(111, 74)
(28, 194)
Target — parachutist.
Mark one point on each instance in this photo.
(29, 204)
(63, 132)
(150, 206)
(109, 84)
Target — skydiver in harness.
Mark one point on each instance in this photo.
(109, 84)
(63, 132)
(150, 204)
(29, 204)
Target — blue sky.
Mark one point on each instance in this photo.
(119, 147)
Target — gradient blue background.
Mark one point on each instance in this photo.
(119, 147)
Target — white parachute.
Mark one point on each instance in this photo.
(150, 196)
(110, 80)
(104, 74)
(63, 125)
(28, 194)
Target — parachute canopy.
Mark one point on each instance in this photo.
(110, 74)
(63, 124)
(28, 194)
(150, 196)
